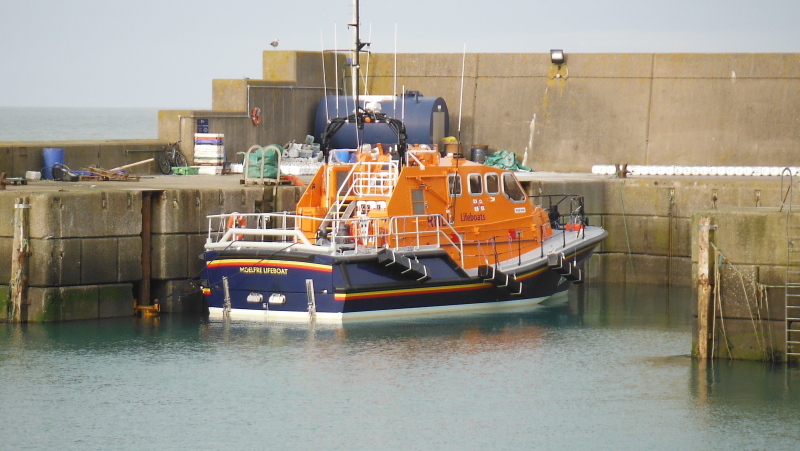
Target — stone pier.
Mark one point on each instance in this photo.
(86, 242)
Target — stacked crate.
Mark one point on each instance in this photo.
(209, 152)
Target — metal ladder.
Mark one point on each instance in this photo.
(792, 284)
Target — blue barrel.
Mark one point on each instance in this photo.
(52, 156)
(415, 109)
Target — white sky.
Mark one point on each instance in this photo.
(164, 53)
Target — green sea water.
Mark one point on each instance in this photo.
(607, 368)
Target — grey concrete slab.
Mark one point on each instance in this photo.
(747, 235)
(79, 302)
(195, 249)
(3, 302)
(7, 200)
(129, 259)
(84, 213)
(55, 262)
(729, 66)
(169, 257)
(742, 296)
(99, 261)
(45, 304)
(742, 339)
(115, 300)
(176, 296)
(5, 259)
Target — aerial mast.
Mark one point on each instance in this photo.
(356, 61)
(360, 116)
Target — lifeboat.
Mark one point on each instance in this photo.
(411, 232)
(404, 232)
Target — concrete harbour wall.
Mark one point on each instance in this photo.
(654, 109)
(653, 223)
(86, 246)
(17, 157)
(85, 237)
(749, 257)
(87, 263)
(661, 109)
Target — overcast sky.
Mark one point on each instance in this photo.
(165, 53)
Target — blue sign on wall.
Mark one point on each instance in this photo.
(202, 126)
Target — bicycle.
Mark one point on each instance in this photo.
(172, 157)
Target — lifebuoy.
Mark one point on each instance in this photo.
(377, 235)
(255, 115)
(236, 220)
(294, 179)
(573, 227)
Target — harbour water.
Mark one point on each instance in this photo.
(606, 368)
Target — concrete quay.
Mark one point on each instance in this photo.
(17, 157)
(750, 260)
(653, 224)
(86, 239)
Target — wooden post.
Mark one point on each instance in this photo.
(19, 263)
(144, 285)
(703, 289)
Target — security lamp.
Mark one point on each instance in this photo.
(557, 56)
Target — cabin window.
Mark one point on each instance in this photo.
(418, 201)
(492, 184)
(475, 184)
(341, 179)
(512, 188)
(454, 185)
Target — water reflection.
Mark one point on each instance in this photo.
(606, 367)
(608, 306)
(620, 305)
(102, 336)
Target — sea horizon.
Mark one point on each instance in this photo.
(77, 123)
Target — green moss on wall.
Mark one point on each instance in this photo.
(4, 296)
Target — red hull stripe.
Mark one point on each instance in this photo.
(412, 291)
(269, 264)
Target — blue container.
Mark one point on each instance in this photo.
(52, 156)
(345, 156)
(418, 119)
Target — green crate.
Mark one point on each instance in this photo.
(184, 170)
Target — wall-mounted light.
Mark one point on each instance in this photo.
(557, 56)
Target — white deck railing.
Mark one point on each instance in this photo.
(358, 234)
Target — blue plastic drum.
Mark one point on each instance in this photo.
(52, 156)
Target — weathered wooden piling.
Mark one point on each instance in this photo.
(703, 289)
(747, 259)
(19, 262)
